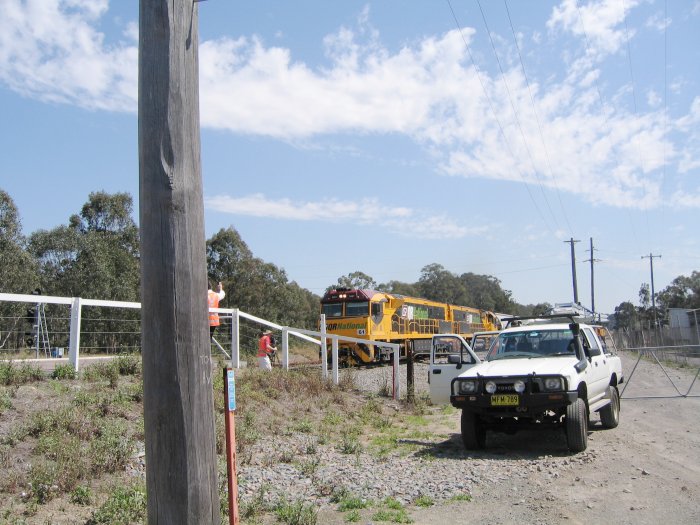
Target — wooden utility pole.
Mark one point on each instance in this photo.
(181, 474)
(653, 292)
(573, 268)
(592, 260)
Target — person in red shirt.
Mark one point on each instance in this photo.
(213, 298)
(265, 348)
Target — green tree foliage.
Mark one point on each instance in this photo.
(540, 309)
(683, 292)
(626, 315)
(95, 256)
(18, 273)
(468, 289)
(255, 286)
(355, 280)
(400, 288)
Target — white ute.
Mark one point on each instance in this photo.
(540, 375)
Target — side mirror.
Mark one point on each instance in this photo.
(454, 359)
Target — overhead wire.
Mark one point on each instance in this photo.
(515, 114)
(539, 124)
(498, 122)
(604, 112)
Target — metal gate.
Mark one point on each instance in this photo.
(688, 354)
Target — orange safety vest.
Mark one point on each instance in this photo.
(213, 303)
(262, 346)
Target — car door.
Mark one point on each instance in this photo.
(598, 375)
(450, 355)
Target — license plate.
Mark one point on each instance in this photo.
(505, 400)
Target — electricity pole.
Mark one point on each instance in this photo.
(573, 268)
(178, 405)
(592, 260)
(653, 298)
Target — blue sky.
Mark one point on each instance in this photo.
(384, 136)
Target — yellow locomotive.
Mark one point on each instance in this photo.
(408, 321)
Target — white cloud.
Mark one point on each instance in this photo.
(51, 50)
(368, 212)
(600, 23)
(428, 91)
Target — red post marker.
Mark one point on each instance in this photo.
(230, 401)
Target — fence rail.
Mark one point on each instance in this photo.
(72, 327)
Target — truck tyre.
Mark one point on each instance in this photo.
(610, 414)
(473, 431)
(577, 426)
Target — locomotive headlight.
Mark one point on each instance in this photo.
(553, 383)
(490, 387)
(519, 386)
(466, 387)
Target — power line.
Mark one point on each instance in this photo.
(515, 114)
(495, 116)
(537, 118)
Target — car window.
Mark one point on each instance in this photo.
(446, 346)
(591, 341)
(532, 344)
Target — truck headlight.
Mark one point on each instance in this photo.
(553, 383)
(519, 386)
(466, 387)
(490, 387)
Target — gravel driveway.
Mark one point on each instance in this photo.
(646, 471)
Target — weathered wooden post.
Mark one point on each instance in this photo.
(181, 473)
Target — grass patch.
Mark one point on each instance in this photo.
(424, 501)
(63, 372)
(460, 497)
(11, 374)
(125, 505)
(296, 513)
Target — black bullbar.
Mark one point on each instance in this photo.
(503, 397)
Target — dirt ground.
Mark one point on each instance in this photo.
(646, 471)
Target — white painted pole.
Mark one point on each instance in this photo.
(74, 343)
(235, 339)
(285, 349)
(397, 382)
(324, 357)
(334, 351)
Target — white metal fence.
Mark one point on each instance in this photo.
(51, 331)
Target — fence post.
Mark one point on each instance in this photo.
(285, 348)
(74, 337)
(334, 357)
(324, 357)
(235, 339)
(397, 381)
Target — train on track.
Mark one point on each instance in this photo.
(392, 318)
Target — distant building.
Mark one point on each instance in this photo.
(683, 322)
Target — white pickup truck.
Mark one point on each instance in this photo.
(538, 375)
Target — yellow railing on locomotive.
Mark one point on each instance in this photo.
(405, 326)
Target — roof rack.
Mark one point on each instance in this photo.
(510, 320)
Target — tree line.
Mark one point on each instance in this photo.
(96, 255)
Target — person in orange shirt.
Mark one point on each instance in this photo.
(265, 348)
(213, 299)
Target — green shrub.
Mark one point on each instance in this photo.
(123, 507)
(10, 374)
(353, 503)
(81, 495)
(296, 513)
(424, 501)
(64, 372)
(111, 449)
(129, 365)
